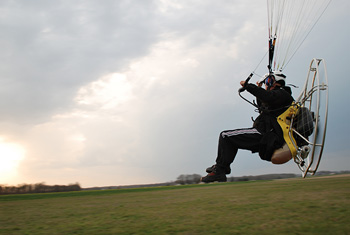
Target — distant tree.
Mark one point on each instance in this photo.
(188, 179)
(180, 179)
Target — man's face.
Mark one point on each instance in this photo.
(269, 81)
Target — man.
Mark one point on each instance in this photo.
(264, 137)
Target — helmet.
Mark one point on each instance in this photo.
(279, 76)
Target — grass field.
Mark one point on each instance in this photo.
(315, 205)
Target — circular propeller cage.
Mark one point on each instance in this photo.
(310, 123)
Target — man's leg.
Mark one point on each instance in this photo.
(229, 143)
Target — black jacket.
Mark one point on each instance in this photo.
(271, 103)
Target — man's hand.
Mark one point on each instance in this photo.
(242, 83)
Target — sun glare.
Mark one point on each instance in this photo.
(10, 156)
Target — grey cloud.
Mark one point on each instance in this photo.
(51, 49)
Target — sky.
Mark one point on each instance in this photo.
(124, 92)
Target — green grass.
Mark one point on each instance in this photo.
(317, 205)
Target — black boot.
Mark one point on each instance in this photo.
(216, 175)
(212, 168)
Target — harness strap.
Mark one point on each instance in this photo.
(285, 121)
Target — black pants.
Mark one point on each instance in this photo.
(231, 141)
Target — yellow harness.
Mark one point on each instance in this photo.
(284, 154)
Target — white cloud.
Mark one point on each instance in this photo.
(166, 5)
(106, 92)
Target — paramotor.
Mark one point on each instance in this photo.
(304, 123)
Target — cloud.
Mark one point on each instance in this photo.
(63, 46)
(137, 118)
(107, 92)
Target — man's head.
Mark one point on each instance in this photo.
(273, 79)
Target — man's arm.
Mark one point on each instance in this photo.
(262, 94)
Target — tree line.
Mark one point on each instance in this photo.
(38, 188)
(195, 178)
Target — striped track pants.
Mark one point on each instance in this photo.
(232, 140)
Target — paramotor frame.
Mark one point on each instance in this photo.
(314, 99)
